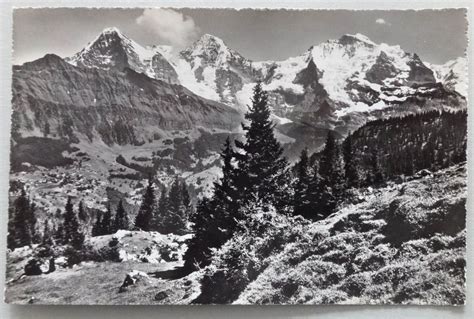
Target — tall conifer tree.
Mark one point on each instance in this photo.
(97, 227)
(302, 204)
(81, 212)
(107, 226)
(22, 223)
(214, 220)
(174, 221)
(145, 214)
(329, 177)
(350, 166)
(260, 161)
(121, 220)
(72, 234)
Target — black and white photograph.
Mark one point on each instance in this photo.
(191, 156)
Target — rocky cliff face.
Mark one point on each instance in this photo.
(54, 98)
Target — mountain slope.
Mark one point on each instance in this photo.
(112, 129)
(111, 106)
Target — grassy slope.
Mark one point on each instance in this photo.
(362, 254)
(98, 283)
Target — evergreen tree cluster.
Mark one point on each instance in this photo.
(391, 147)
(319, 185)
(378, 151)
(22, 222)
(106, 224)
(66, 232)
(167, 215)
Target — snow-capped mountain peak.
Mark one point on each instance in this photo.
(112, 49)
(453, 74)
(211, 50)
(111, 30)
(355, 38)
(211, 69)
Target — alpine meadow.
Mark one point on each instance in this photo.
(182, 172)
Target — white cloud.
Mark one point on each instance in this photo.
(169, 25)
(381, 21)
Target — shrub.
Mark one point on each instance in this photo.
(355, 285)
(405, 222)
(393, 274)
(244, 257)
(33, 267)
(73, 256)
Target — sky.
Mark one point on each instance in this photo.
(437, 36)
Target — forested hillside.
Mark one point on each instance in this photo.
(404, 145)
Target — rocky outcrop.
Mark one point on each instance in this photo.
(382, 68)
(419, 72)
(162, 69)
(133, 278)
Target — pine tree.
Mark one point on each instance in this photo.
(326, 163)
(225, 201)
(186, 199)
(350, 166)
(337, 178)
(106, 224)
(22, 230)
(302, 205)
(375, 175)
(174, 221)
(214, 220)
(161, 211)
(206, 236)
(47, 236)
(329, 178)
(145, 214)
(97, 227)
(81, 212)
(260, 162)
(72, 235)
(121, 218)
(315, 194)
(409, 164)
(59, 235)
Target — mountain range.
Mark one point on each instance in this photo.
(326, 87)
(169, 111)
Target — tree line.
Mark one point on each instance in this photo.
(404, 145)
(169, 214)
